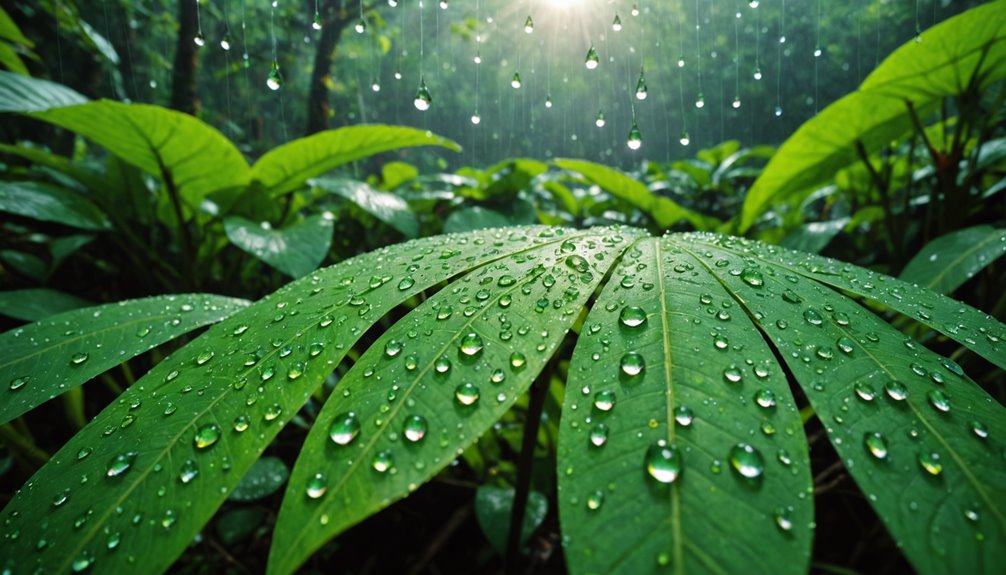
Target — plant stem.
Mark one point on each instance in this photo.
(882, 186)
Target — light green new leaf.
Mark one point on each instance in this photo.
(384, 206)
(42, 360)
(194, 424)
(22, 94)
(10, 32)
(679, 428)
(296, 250)
(941, 66)
(664, 211)
(38, 303)
(10, 60)
(945, 263)
(288, 167)
(433, 383)
(48, 203)
(189, 155)
(915, 433)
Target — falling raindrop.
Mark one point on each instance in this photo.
(423, 100)
(592, 61)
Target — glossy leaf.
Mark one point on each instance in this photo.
(668, 378)
(433, 383)
(266, 476)
(910, 427)
(814, 236)
(972, 44)
(38, 303)
(288, 167)
(296, 250)
(384, 206)
(261, 364)
(48, 203)
(44, 359)
(24, 94)
(474, 218)
(195, 158)
(945, 263)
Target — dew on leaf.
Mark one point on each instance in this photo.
(344, 429)
(746, 460)
(663, 462)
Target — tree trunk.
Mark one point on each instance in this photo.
(334, 21)
(184, 96)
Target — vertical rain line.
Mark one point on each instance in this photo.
(225, 44)
(129, 57)
(918, 26)
(275, 60)
(817, 60)
(247, 66)
(778, 67)
(681, 82)
(699, 101)
(59, 43)
(859, 48)
(737, 61)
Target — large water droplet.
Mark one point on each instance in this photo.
(120, 464)
(344, 428)
(415, 428)
(78, 358)
(632, 316)
(875, 444)
(599, 435)
(746, 460)
(471, 344)
(382, 461)
(592, 61)
(683, 415)
(939, 400)
(207, 435)
(896, 390)
(604, 400)
(752, 277)
(663, 462)
(467, 393)
(188, 472)
(930, 461)
(632, 364)
(316, 486)
(595, 500)
(392, 348)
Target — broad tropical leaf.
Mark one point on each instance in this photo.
(296, 250)
(433, 383)
(42, 360)
(678, 427)
(193, 426)
(384, 206)
(971, 45)
(945, 263)
(49, 203)
(288, 167)
(38, 303)
(24, 94)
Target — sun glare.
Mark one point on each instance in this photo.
(562, 3)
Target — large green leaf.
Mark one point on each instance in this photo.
(664, 211)
(48, 203)
(296, 250)
(668, 380)
(38, 303)
(384, 206)
(945, 263)
(911, 428)
(248, 376)
(10, 32)
(189, 155)
(23, 94)
(432, 384)
(288, 167)
(941, 66)
(44, 359)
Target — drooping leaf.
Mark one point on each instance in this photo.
(945, 263)
(433, 383)
(48, 203)
(679, 426)
(266, 476)
(664, 211)
(913, 431)
(288, 167)
(814, 236)
(191, 156)
(43, 359)
(10, 60)
(970, 45)
(23, 94)
(38, 303)
(296, 250)
(384, 206)
(247, 376)
(493, 506)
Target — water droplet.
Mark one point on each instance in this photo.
(442, 365)
(632, 364)
(812, 316)
(765, 398)
(272, 412)
(78, 358)
(241, 423)
(939, 400)
(865, 391)
(641, 88)
(528, 25)
(930, 461)
(595, 500)
(578, 263)
(467, 393)
(979, 429)
(188, 472)
(683, 415)
(592, 61)
(207, 435)
(18, 382)
(663, 462)
(274, 81)
(316, 486)
(84, 452)
(632, 316)
(345, 427)
(752, 277)
(392, 348)
(382, 461)
(604, 400)
(471, 344)
(61, 498)
(415, 428)
(746, 460)
(783, 517)
(599, 435)
(517, 360)
(120, 464)
(733, 374)
(875, 444)
(423, 100)
(896, 390)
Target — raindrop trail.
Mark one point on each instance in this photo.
(227, 64)
(778, 67)
(817, 58)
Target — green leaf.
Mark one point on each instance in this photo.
(970, 45)
(474, 218)
(48, 203)
(10, 32)
(38, 303)
(11, 61)
(945, 263)
(433, 383)
(384, 206)
(23, 94)
(296, 250)
(664, 211)
(43, 359)
(394, 174)
(266, 361)
(288, 167)
(663, 387)
(187, 154)
(908, 424)
(814, 236)
(264, 478)
(236, 524)
(493, 506)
